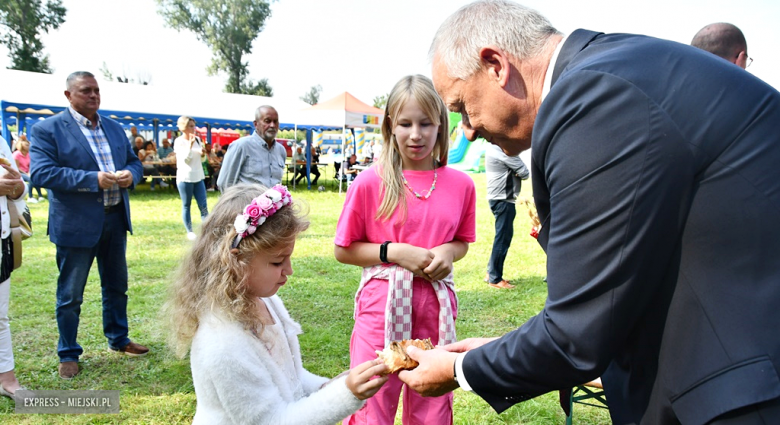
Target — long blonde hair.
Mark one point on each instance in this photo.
(419, 88)
(212, 278)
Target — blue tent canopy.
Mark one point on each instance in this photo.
(29, 97)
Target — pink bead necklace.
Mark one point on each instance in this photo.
(433, 186)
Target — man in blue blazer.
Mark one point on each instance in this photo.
(655, 174)
(84, 161)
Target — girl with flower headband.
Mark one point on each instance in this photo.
(244, 352)
(406, 239)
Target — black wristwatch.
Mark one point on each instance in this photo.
(383, 252)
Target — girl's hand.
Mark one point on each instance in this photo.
(410, 257)
(444, 256)
(359, 379)
(441, 266)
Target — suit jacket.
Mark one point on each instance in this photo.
(657, 182)
(62, 162)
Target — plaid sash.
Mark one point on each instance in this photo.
(398, 311)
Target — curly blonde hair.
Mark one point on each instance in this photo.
(212, 277)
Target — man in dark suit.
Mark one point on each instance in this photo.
(656, 180)
(84, 161)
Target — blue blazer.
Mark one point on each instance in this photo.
(656, 174)
(62, 161)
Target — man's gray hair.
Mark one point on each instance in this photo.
(259, 111)
(75, 76)
(520, 31)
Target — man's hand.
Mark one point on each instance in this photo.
(11, 184)
(124, 178)
(466, 344)
(106, 180)
(434, 376)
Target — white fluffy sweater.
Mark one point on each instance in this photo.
(238, 382)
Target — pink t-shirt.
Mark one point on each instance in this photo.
(449, 214)
(23, 161)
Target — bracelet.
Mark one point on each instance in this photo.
(383, 252)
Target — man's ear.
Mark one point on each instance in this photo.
(741, 60)
(495, 62)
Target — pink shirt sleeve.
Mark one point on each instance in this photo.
(351, 226)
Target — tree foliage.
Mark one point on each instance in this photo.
(21, 22)
(380, 101)
(312, 97)
(108, 75)
(257, 88)
(228, 27)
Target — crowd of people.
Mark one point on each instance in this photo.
(656, 185)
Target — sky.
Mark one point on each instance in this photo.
(362, 46)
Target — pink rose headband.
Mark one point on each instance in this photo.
(262, 207)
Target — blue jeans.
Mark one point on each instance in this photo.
(504, 212)
(186, 191)
(74, 264)
(26, 178)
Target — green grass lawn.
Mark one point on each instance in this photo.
(157, 388)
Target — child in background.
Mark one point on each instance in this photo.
(22, 157)
(244, 352)
(406, 239)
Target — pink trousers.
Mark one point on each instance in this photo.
(368, 336)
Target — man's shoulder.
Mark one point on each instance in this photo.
(50, 126)
(105, 120)
(279, 147)
(53, 120)
(240, 143)
(110, 124)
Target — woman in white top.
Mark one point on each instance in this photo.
(189, 172)
(11, 192)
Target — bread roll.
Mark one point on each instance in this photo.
(395, 357)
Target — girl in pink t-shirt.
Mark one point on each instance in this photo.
(22, 157)
(406, 221)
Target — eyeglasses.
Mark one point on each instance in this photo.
(748, 59)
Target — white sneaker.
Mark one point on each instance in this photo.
(41, 199)
(32, 201)
(191, 236)
(163, 184)
(152, 189)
